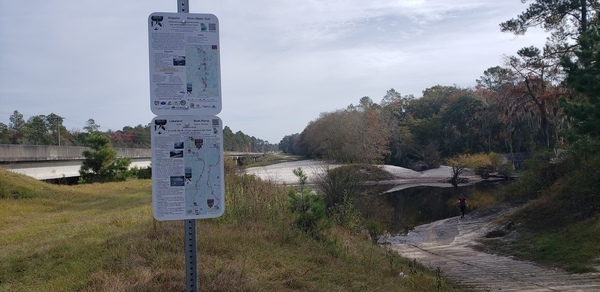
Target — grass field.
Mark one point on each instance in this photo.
(102, 237)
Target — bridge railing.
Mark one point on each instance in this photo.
(14, 153)
(50, 162)
(24, 153)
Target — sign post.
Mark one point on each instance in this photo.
(187, 136)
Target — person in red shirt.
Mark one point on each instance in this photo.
(462, 203)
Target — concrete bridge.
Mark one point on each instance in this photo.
(45, 162)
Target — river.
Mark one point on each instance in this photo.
(413, 197)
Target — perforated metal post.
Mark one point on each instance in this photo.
(191, 260)
(191, 271)
(183, 6)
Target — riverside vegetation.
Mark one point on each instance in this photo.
(102, 237)
(559, 223)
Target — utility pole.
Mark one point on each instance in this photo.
(58, 119)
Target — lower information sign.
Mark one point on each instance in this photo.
(187, 167)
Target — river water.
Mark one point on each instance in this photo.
(406, 208)
(403, 210)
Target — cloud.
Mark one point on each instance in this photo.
(283, 62)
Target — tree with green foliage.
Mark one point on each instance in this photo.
(78, 137)
(241, 142)
(287, 143)
(501, 125)
(583, 76)
(564, 19)
(402, 145)
(56, 130)
(540, 70)
(309, 207)
(570, 17)
(140, 135)
(432, 101)
(461, 121)
(101, 163)
(16, 128)
(91, 127)
(37, 131)
(4, 134)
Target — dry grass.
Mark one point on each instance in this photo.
(102, 237)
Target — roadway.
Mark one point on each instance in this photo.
(44, 162)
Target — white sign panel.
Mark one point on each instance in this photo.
(187, 167)
(185, 74)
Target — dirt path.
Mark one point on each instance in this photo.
(447, 244)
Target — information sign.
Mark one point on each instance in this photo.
(187, 167)
(185, 74)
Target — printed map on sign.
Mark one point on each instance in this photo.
(202, 70)
(202, 162)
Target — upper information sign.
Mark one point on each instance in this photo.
(185, 74)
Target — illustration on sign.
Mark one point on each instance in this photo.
(185, 75)
(188, 174)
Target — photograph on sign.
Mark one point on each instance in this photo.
(185, 74)
(187, 167)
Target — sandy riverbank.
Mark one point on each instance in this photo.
(282, 173)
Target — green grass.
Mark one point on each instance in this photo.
(102, 237)
(543, 232)
(270, 159)
(560, 225)
(573, 248)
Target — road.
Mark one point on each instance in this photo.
(449, 245)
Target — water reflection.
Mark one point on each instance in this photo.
(402, 210)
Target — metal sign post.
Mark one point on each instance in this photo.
(187, 137)
(183, 6)
(191, 259)
(191, 252)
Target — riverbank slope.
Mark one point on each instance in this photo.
(452, 246)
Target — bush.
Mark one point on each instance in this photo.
(346, 215)
(141, 173)
(308, 206)
(375, 229)
(506, 169)
(540, 174)
(339, 183)
(101, 163)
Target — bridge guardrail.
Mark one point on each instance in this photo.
(21, 153)
(25, 153)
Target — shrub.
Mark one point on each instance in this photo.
(346, 215)
(310, 211)
(142, 173)
(338, 183)
(101, 163)
(375, 229)
(308, 206)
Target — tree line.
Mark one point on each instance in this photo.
(539, 99)
(49, 130)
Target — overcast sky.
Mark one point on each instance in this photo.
(283, 62)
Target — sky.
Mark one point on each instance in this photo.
(283, 62)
